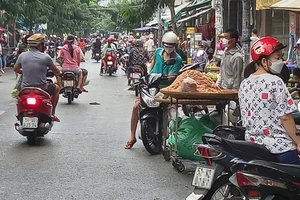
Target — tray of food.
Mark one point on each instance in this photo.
(192, 84)
(170, 100)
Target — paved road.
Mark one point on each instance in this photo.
(84, 157)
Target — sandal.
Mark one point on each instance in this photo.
(129, 144)
(56, 119)
(84, 90)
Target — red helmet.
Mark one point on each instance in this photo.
(110, 40)
(264, 47)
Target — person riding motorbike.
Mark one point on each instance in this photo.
(158, 66)
(70, 58)
(82, 45)
(96, 46)
(33, 65)
(110, 46)
(266, 104)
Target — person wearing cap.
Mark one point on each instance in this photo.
(200, 56)
(33, 66)
(158, 66)
(266, 104)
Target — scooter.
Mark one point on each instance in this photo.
(220, 155)
(34, 110)
(263, 180)
(69, 81)
(134, 74)
(151, 112)
(97, 55)
(51, 52)
(110, 64)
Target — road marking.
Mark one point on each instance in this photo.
(2, 112)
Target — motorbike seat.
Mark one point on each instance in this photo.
(68, 74)
(286, 168)
(34, 90)
(249, 150)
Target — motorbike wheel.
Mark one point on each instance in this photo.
(32, 138)
(215, 193)
(136, 90)
(110, 71)
(97, 61)
(70, 98)
(152, 142)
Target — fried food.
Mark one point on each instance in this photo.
(204, 84)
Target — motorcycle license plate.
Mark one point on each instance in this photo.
(203, 177)
(97, 54)
(30, 122)
(135, 75)
(109, 62)
(68, 84)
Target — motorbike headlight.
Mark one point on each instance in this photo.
(149, 101)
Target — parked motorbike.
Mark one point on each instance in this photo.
(124, 61)
(110, 64)
(70, 90)
(34, 110)
(134, 74)
(220, 155)
(97, 55)
(263, 180)
(150, 112)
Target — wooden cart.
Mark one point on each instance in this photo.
(195, 98)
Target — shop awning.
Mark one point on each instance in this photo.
(167, 15)
(141, 29)
(194, 16)
(292, 5)
(265, 4)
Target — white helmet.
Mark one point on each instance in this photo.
(170, 38)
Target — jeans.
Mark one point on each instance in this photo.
(4, 57)
(1, 62)
(289, 157)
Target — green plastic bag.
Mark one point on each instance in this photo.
(190, 131)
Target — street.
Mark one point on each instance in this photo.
(83, 157)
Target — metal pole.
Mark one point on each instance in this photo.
(246, 30)
(160, 27)
(218, 6)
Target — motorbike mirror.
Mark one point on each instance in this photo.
(171, 61)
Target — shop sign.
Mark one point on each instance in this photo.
(265, 4)
(190, 30)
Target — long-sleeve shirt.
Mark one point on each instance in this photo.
(231, 70)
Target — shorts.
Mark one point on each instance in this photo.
(77, 72)
(84, 72)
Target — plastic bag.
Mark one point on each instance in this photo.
(188, 85)
(190, 131)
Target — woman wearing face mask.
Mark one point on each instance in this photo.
(266, 105)
(200, 56)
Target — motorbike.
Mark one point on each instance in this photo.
(34, 110)
(58, 49)
(124, 61)
(134, 74)
(97, 55)
(110, 64)
(263, 180)
(69, 81)
(220, 155)
(51, 52)
(151, 112)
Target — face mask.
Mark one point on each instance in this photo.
(169, 49)
(225, 42)
(276, 66)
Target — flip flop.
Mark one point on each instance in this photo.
(129, 144)
(55, 118)
(84, 90)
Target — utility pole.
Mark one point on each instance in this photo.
(160, 26)
(246, 30)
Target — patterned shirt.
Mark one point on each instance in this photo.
(263, 100)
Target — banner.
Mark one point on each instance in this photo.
(265, 4)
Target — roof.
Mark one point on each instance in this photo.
(195, 15)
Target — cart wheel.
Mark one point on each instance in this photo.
(180, 167)
(167, 154)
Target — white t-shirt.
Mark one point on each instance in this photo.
(150, 44)
(263, 99)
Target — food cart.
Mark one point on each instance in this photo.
(191, 98)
